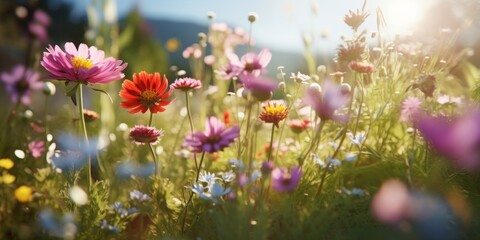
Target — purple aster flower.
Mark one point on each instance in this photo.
(458, 140)
(19, 83)
(326, 103)
(284, 181)
(143, 134)
(215, 138)
(186, 84)
(85, 65)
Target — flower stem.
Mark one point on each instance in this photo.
(84, 129)
(154, 158)
(187, 103)
(269, 158)
(315, 140)
(150, 119)
(191, 194)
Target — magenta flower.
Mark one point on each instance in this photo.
(36, 148)
(84, 65)
(326, 103)
(39, 24)
(284, 181)
(458, 140)
(143, 134)
(20, 82)
(215, 138)
(186, 84)
(410, 107)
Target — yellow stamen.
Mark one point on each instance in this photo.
(80, 62)
(149, 96)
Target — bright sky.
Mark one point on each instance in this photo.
(281, 22)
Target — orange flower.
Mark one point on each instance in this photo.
(273, 112)
(145, 92)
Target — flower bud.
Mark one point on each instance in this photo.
(252, 17)
(49, 89)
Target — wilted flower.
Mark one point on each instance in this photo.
(410, 107)
(145, 135)
(361, 67)
(298, 125)
(326, 103)
(352, 51)
(215, 138)
(145, 92)
(186, 84)
(355, 19)
(284, 181)
(458, 140)
(426, 85)
(83, 65)
(24, 194)
(90, 115)
(20, 82)
(273, 112)
(36, 148)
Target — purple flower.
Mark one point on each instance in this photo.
(215, 138)
(36, 148)
(39, 24)
(410, 107)
(19, 83)
(250, 63)
(284, 181)
(260, 87)
(326, 103)
(458, 140)
(84, 65)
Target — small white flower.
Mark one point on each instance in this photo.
(78, 196)
(357, 139)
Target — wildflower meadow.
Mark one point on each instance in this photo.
(110, 133)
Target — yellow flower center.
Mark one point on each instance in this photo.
(149, 97)
(80, 62)
(275, 109)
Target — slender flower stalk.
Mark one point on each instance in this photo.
(189, 114)
(191, 194)
(83, 128)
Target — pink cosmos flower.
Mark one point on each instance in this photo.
(20, 82)
(215, 138)
(326, 103)
(284, 181)
(84, 65)
(458, 139)
(410, 107)
(186, 84)
(252, 63)
(36, 148)
(143, 134)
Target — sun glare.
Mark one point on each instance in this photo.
(402, 15)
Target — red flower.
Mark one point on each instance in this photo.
(145, 92)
